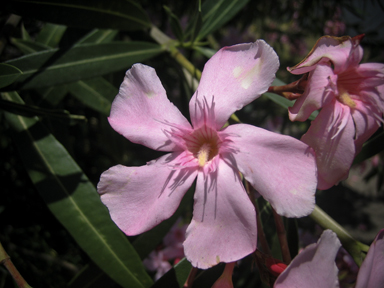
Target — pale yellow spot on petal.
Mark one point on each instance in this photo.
(247, 77)
(150, 94)
(294, 191)
(217, 259)
(237, 71)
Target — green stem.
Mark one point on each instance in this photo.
(6, 261)
(170, 45)
(280, 229)
(354, 247)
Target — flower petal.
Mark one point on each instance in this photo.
(343, 52)
(314, 267)
(371, 271)
(281, 168)
(141, 111)
(318, 93)
(139, 198)
(223, 228)
(234, 77)
(331, 135)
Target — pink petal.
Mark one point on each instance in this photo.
(318, 93)
(282, 169)
(314, 267)
(373, 74)
(139, 198)
(141, 111)
(234, 77)
(371, 271)
(343, 52)
(331, 135)
(223, 228)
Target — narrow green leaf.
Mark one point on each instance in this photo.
(52, 94)
(370, 148)
(98, 36)
(96, 93)
(116, 14)
(207, 52)
(72, 198)
(28, 46)
(84, 61)
(218, 12)
(176, 277)
(8, 74)
(31, 111)
(194, 27)
(175, 24)
(51, 34)
(24, 33)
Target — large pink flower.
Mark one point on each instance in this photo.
(223, 228)
(315, 266)
(351, 96)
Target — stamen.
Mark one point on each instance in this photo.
(345, 98)
(203, 154)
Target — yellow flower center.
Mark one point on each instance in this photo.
(204, 144)
(345, 98)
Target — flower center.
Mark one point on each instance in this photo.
(345, 98)
(204, 144)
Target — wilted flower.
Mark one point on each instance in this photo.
(223, 229)
(351, 98)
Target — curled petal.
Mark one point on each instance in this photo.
(139, 198)
(234, 77)
(343, 52)
(141, 111)
(371, 271)
(282, 169)
(223, 228)
(314, 267)
(319, 92)
(331, 135)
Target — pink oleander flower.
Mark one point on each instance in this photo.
(351, 98)
(223, 228)
(315, 266)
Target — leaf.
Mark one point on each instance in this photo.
(112, 14)
(176, 277)
(8, 74)
(73, 200)
(207, 52)
(194, 26)
(98, 36)
(52, 94)
(96, 93)
(51, 34)
(31, 111)
(58, 66)
(28, 46)
(175, 24)
(218, 12)
(370, 148)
